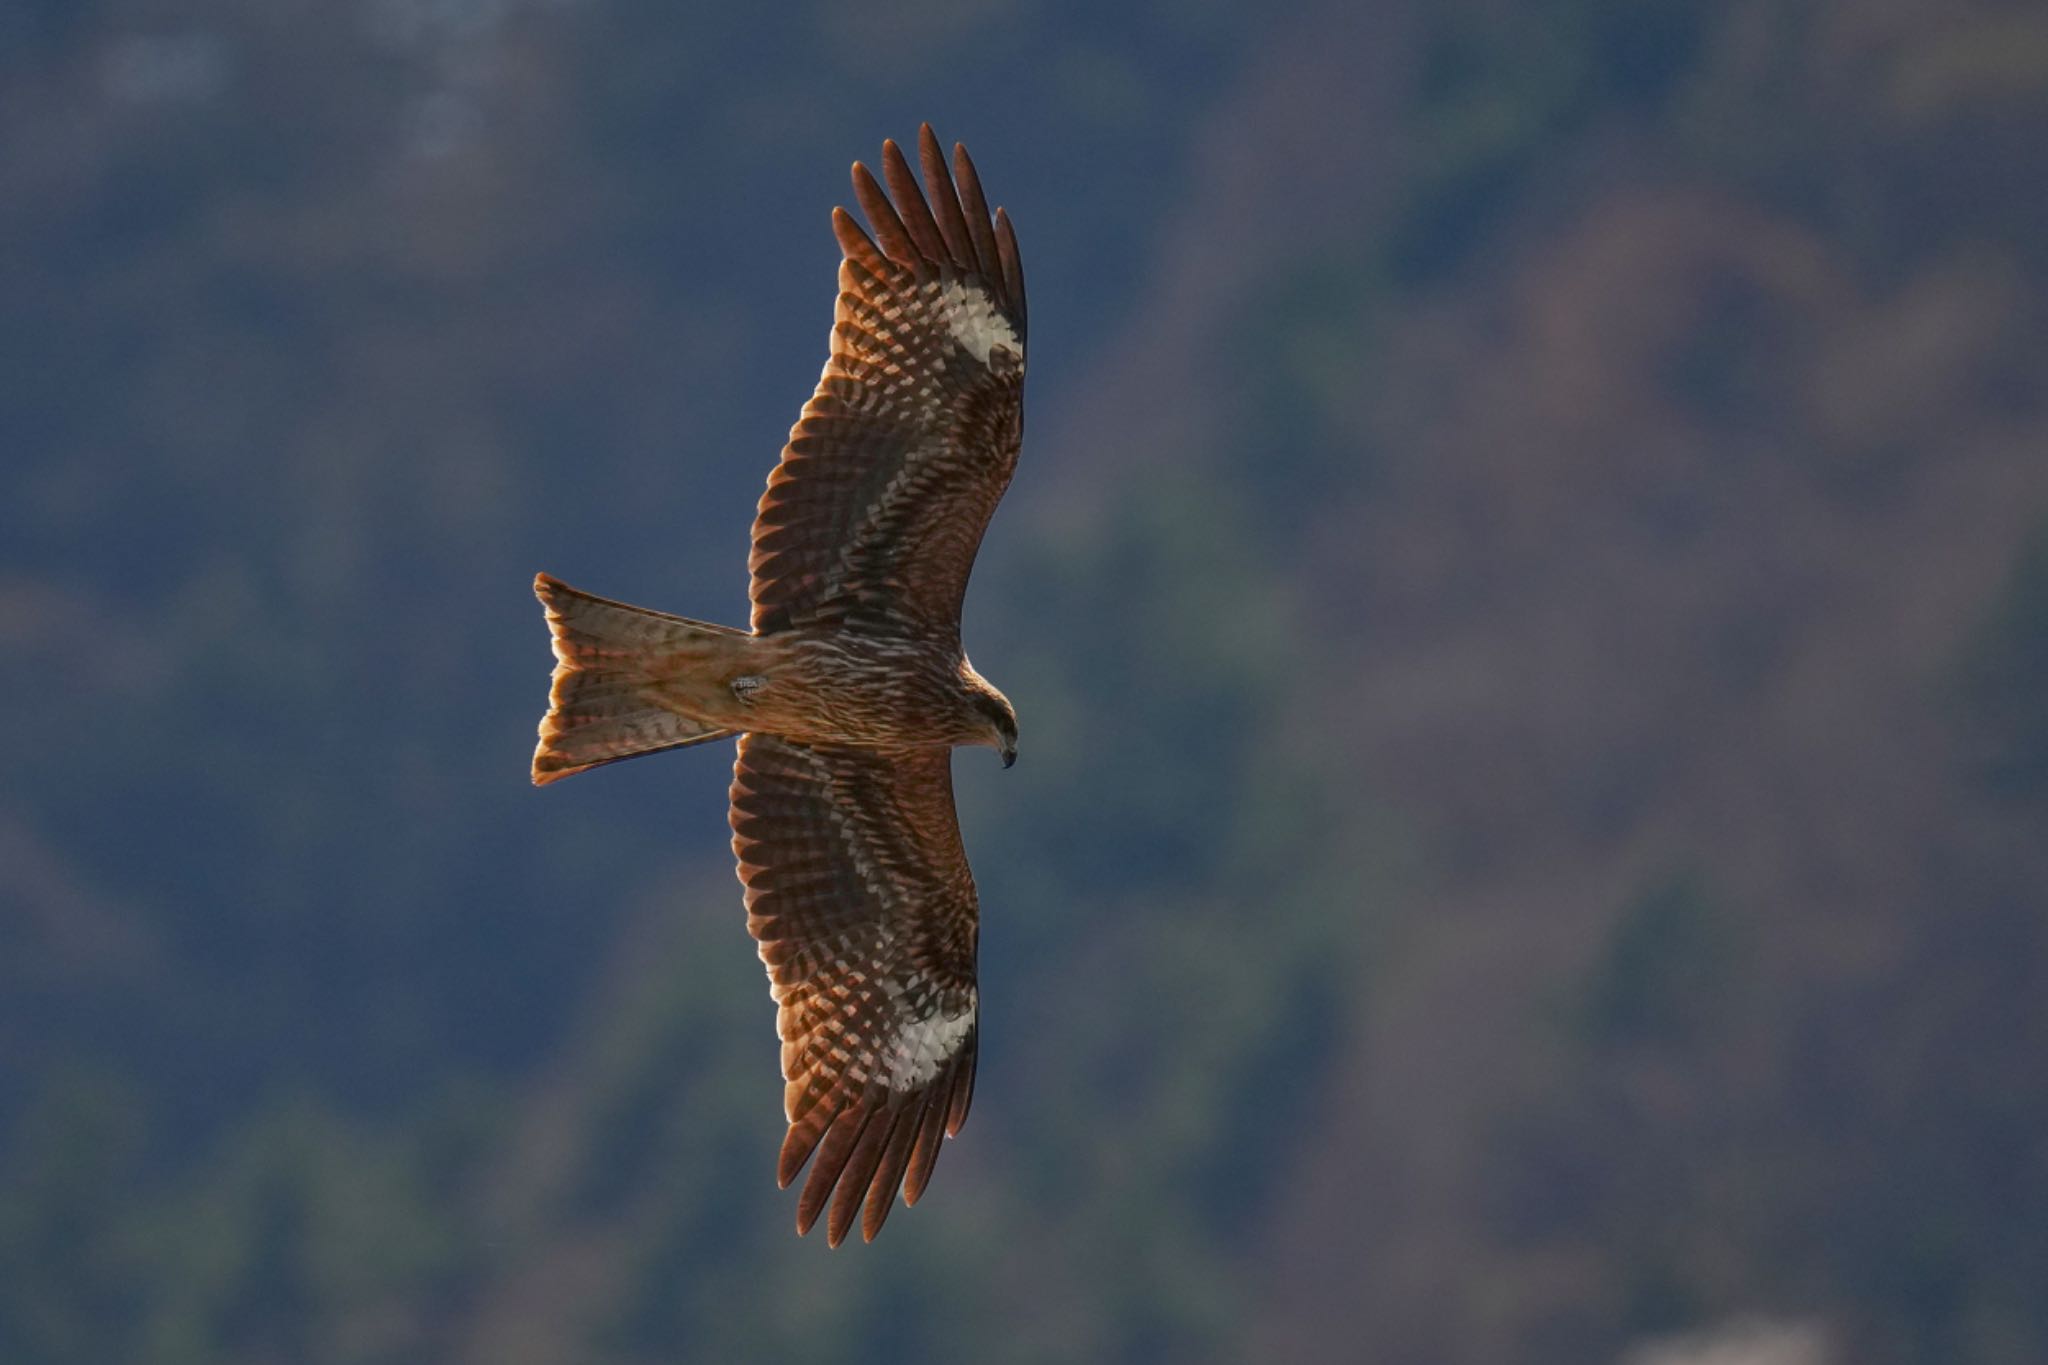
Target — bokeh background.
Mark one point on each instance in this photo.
(1527, 593)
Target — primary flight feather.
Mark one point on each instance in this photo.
(851, 690)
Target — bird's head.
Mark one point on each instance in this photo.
(995, 718)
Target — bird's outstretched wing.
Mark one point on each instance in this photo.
(877, 507)
(859, 894)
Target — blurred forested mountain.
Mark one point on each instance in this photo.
(1527, 597)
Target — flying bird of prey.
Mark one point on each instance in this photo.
(851, 690)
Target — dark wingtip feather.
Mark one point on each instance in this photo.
(797, 1146)
(910, 204)
(945, 199)
(1013, 266)
(975, 205)
(963, 1089)
(890, 233)
(889, 1175)
(931, 1134)
(858, 1174)
(841, 1138)
(855, 244)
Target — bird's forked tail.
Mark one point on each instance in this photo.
(615, 690)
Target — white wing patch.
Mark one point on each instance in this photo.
(976, 324)
(925, 1044)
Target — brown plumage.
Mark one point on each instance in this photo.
(851, 690)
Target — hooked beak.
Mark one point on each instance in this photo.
(1009, 757)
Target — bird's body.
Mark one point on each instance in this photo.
(851, 690)
(840, 686)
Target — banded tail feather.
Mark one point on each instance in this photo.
(617, 674)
